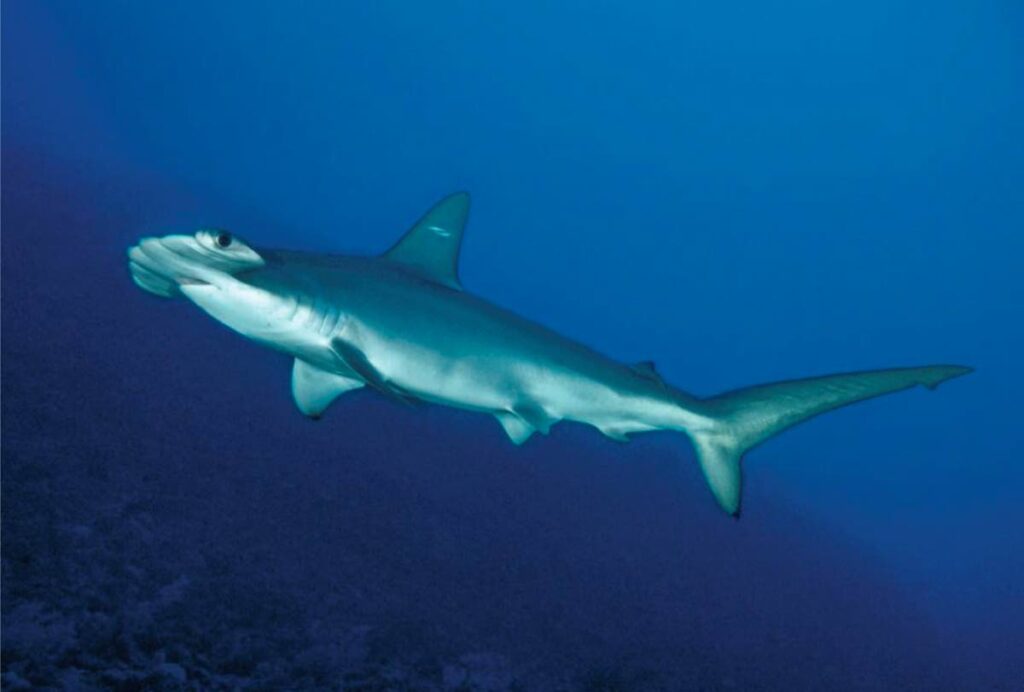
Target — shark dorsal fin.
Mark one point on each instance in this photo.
(431, 247)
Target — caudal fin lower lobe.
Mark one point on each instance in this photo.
(746, 417)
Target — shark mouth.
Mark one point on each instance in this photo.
(152, 282)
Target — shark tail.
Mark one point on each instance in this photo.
(744, 418)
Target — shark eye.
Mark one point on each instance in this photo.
(224, 239)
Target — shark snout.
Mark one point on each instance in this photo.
(174, 264)
(163, 265)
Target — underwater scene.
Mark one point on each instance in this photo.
(556, 346)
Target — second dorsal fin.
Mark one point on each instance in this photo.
(431, 247)
(646, 369)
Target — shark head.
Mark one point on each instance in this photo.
(164, 266)
(213, 269)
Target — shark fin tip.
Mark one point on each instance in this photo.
(948, 373)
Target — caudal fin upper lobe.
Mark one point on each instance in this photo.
(744, 418)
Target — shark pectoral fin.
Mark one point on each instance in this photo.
(356, 361)
(431, 247)
(314, 389)
(518, 430)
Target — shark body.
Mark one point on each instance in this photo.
(402, 324)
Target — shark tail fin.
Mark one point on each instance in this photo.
(744, 418)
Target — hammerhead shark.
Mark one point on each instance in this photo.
(402, 324)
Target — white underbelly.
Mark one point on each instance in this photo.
(502, 383)
(499, 385)
(451, 382)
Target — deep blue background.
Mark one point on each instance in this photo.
(741, 191)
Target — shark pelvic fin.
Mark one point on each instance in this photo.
(431, 247)
(314, 389)
(536, 417)
(523, 420)
(517, 429)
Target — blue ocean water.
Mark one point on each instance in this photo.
(743, 192)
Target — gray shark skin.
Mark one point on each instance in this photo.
(401, 324)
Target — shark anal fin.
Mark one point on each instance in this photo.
(357, 362)
(314, 389)
(616, 433)
(431, 247)
(518, 430)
